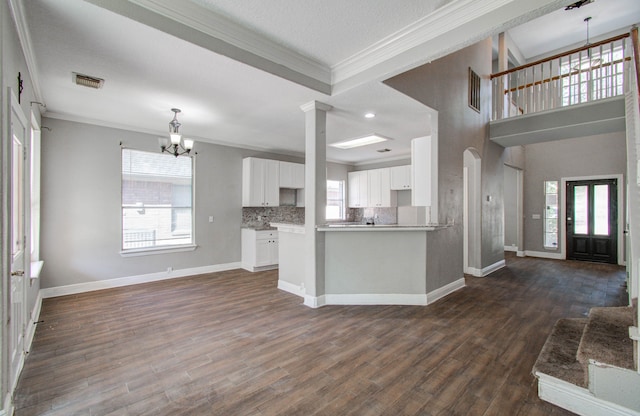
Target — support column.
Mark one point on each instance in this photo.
(315, 199)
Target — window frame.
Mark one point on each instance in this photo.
(343, 211)
(546, 216)
(162, 249)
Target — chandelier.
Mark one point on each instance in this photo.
(175, 145)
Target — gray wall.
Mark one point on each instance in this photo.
(586, 156)
(443, 86)
(81, 204)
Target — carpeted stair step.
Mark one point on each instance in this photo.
(558, 355)
(606, 338)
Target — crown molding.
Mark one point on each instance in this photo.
(224, 37)
(421, 42)
(24, 36)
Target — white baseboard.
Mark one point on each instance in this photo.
(439, 293)
(510, 248)
(51, 292)
(577, 399)
(315, 301)
(543, 254)
(487, 270)
(376, 299)
(382, 298)
(291, 288)
(492, 268)
(32, 324)
(520, 253)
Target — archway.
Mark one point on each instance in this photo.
(472, 212)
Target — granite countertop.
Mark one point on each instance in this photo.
(380, 227)
(258, 227)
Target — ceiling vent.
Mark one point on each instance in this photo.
(87, 81)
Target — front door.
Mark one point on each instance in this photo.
(18, 253)
(592, 214)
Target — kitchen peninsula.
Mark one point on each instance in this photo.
(371, 264)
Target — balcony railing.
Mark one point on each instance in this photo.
(582, 75)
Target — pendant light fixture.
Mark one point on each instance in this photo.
(587, 63)
(175, 145)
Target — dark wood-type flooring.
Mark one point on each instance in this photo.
(230, 343)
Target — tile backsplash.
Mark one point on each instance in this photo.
(380, 215)
(261, 217)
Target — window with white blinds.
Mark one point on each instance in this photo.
(157, 200)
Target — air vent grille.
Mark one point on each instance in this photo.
(88, 81)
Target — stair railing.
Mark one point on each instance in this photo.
(592, 72)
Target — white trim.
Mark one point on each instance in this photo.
(543, 255)
(577, 399)
(474, 272)
(291, 288)
(376, 299)
(520, 253)
(135, 252)
(51, 292)
(445, 290)
(621, 189)
(32, 324)
(314, 301)
(511, 248)
(382, 298)
(35, 269)
(26, 44)
(493, 267)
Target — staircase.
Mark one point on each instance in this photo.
(588, 365)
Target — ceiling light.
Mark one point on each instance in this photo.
(174, 145)
(587, 63)
(360, 141)
(369, 115)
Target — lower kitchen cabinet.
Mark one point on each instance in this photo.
(259, 249)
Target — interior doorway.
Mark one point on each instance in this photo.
(592, 220)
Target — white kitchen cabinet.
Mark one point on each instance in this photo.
(260, 182)
(291, 175)
(259, 249)
(379, 191)
(358, 189)
(400, 178)
(424, 171)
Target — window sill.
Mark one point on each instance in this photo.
(36, 268)
(157, 250)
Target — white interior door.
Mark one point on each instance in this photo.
(19, 256)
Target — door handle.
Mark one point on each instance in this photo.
(18, 273)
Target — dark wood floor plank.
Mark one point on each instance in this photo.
(230, 343)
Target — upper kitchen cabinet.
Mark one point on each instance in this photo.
(400, 177)
(424, 162)
(260, 182)
(380, 194)
(358, 189)
(291, 175)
